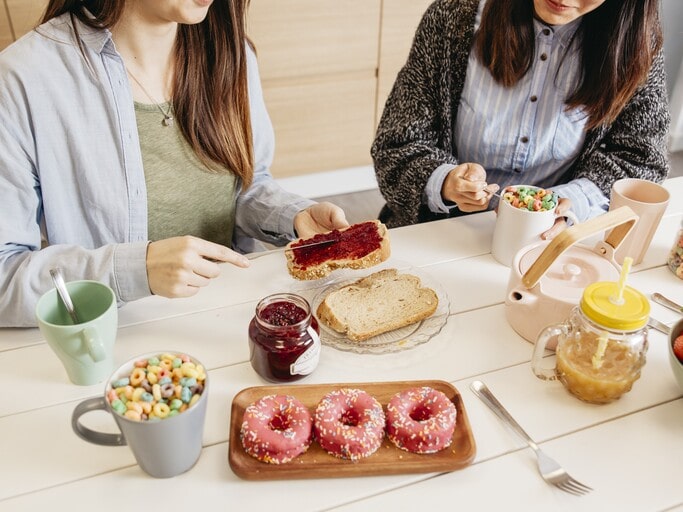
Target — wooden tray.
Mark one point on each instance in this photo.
(316, 463)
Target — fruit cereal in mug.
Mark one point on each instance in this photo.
(157, 388)
(530, 198)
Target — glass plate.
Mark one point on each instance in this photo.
(393, 341)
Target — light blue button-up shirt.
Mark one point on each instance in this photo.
(72, 185)
(523, 135)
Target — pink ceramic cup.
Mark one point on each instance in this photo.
(648, 200)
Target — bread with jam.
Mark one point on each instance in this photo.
(379, 303)
(358, 246)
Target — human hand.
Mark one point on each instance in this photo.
(466, 186)
(179, 266)
(563, 206)
(319, 218)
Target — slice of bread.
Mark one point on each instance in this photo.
(358, 246)
(378, 303)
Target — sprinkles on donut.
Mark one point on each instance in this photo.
(276, 429)
(349, 424)
(421, 420)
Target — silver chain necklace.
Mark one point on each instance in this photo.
(168, 118)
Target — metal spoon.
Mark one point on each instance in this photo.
(660, 299)
(58, 280)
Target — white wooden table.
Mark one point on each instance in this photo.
(630, 451)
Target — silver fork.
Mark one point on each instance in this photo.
(550, 470)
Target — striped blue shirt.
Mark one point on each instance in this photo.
(523, 134)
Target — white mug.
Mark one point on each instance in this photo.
(516, 228)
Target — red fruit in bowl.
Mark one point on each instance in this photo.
(678, 348)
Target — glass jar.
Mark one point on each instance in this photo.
(284, 338)
(601, 348)
(675, 260)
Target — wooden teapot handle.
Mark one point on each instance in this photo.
(621, 219)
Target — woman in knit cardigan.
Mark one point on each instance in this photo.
(561, 94)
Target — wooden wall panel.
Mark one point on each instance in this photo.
(314, 37)
(322, 124)
(25, 14)
(400, 19)
(6, 35)
(318, 63)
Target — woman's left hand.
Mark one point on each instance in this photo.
(563, 205)
(319, 218)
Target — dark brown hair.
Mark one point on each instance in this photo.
(209, 93)
(618, 42)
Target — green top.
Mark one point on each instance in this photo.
(183, 196)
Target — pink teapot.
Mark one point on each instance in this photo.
(547, 279)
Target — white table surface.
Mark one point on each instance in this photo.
(629, 451)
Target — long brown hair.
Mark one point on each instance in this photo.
(209, 93)
(619, 40)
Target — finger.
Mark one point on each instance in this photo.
(198, 281)
(211, 251)
(474, 172)
(238, 260)
(338, 218)
(492, 188)
(219, 253)
(183, 291)
(234, 258)
(467, 186)
(204, 269)
(563, 205)
(477, 200)
(178, 287)
(471, 207)
(557, 228)
(475, 206)
(331, 216)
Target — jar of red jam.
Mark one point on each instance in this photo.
(284, 338)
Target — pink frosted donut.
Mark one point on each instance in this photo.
(276, 428)
(349, 424)
(421, 420)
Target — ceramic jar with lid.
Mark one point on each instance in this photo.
(284, 338)
(602, 346)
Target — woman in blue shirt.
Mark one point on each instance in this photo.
(561, 94)
(135, 151)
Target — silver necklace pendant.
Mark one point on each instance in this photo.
(168, 118)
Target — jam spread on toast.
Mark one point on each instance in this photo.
(355, 242)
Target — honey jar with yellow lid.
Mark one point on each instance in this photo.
(602, 346)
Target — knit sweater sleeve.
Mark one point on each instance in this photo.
(634, 146)
(414, 135)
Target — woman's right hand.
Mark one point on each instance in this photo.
(179, 266)
(465, 185)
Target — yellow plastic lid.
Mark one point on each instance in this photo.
(599, 303)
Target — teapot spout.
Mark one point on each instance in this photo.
(521, 297)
